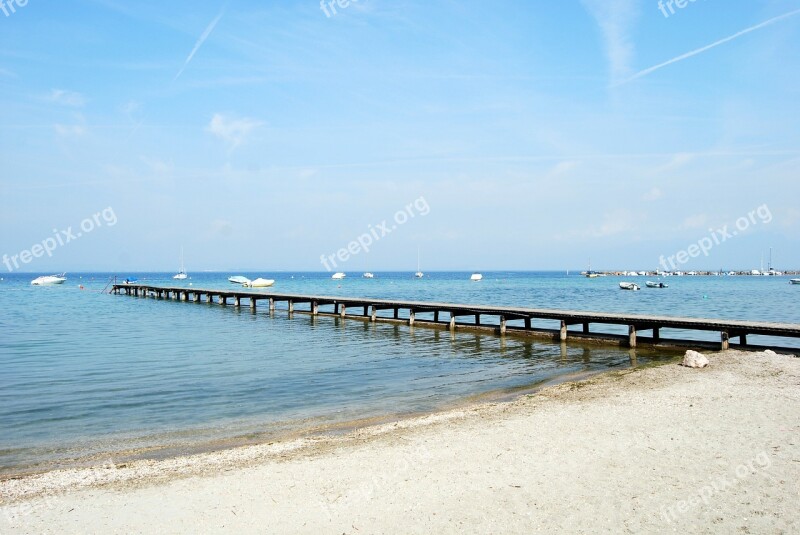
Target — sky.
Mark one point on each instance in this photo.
(503, 135)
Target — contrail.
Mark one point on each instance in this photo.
(708, 47)
(199, 43)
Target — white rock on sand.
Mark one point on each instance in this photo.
(654, 450)
(693, 359)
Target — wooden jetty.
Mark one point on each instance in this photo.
(507, 320)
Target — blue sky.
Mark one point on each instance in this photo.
(263, 135)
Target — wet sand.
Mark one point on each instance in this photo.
(660, 449)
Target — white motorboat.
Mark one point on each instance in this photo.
(794, 281)
(47, 280)
(629, 286)
(368, 275)
(238, 279)
(182, 273)
(476, 277)
(659, 284)
(338, 276)
(259, 283)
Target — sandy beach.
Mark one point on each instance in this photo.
(661, 449)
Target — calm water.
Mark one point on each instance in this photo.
(88, 374)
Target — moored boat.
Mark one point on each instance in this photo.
(48, 280)
(238, 279)
(652, 284)
(476, 277)
(259, 283)
(338, 276)
(628, 286)
(794, 281)
(368, 275)
(181, 275)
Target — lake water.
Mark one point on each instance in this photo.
(86, 375)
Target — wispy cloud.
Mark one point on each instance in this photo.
(695, 221)
(653, 195)
(71, 130)
(232, 130)
(66, 98)
(616, 19)
(715, 44)
(199, 43)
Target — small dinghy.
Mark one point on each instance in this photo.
(628, 286)
(651, 284)
(794, 281)
(238, 279)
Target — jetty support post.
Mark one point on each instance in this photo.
(452, 322)
(411, 316)
(343, 310)
(366, 310)
(314, 308)
(237, 301)
(656, 334)
(291, 306)
(528, 323)
(743, 338)
(586, 327)
(477, 319)
(196, 297)
(502, 325)
(725, 339)
(253, 304)
(563, 333)
(436, 316)
(632, 336)
(374, 315)
(396, 312)
(223, 300)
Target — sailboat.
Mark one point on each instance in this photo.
(418, 274)
(182, 273)
(589, 274)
